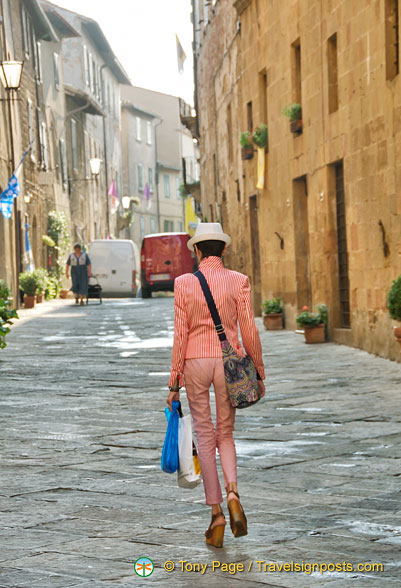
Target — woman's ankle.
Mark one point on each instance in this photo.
(216, 509)
(232, 491)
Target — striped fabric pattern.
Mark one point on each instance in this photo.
(194, 332)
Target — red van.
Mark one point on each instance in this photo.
(164, 257)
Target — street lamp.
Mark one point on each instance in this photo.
(126, 202)
(10, 76)
(95, 164)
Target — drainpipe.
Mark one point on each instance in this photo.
(195, 59)
(106, 172)
(157, 176)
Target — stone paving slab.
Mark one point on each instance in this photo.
(82, 495)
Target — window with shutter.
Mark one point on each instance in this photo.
(148, 132)
(138, 129)
(63, 163)
(74, 146)
(31, 129)
(140, 176)
(56, 70)
(44, 147)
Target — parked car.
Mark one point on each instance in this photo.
(115, 263)
(164, 257)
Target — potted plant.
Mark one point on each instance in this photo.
(313, 323)
(247, 146)
(4, 291)
(294, 113)
(58, 241)
(394, 305)
(40, 275)
(272, 311)
(260, 136)
(27, 284)
(6, 314)
(52, 288)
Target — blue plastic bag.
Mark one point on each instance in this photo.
(170, 461)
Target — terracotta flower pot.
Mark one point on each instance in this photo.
(64, 293)
(273, 321)
(397, 334)
(247, 152)
(315, 334)
(296, 126)
(29, 301)
(39, 298)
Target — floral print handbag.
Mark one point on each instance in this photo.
(240, 372)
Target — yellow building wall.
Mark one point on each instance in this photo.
(237, 49)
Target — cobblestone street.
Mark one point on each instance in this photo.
(82, 426)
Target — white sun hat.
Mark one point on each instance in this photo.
(208, 232)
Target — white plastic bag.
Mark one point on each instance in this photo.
(187, 477)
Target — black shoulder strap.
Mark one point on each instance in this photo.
(212, 306)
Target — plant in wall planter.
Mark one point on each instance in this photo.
(394, 305)
(272, 311)
(246, 145)
(294, 114)
(40, 275)
(260, 136)
(27, 284)
(313, 323)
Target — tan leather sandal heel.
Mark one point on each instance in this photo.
(238, 522)
(215, 536)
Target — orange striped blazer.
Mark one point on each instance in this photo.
(194, 331)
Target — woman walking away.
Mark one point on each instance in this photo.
(81, 270)
(197, 357)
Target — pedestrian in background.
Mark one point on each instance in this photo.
(197, 360)
(81, 271)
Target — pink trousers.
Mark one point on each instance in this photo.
(199, 375)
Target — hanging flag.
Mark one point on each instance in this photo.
(13, 188)
(191, 220)
(181, 57)
(261, 168)
(115, 202)
(8, 195)
(28, 257)
(146, 193)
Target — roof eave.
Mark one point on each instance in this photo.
(106, 51)
(43, 27)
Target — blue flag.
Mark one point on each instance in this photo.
(8, 195)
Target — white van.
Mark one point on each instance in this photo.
(116, 265)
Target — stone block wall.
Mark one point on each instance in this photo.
(362, 133)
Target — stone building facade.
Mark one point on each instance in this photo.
(92, 78)
(68, 110)
(175, 149)
(139, 169)
(24, 32)
(326, 226)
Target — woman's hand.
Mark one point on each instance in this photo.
(174, 396)
(262, 388)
